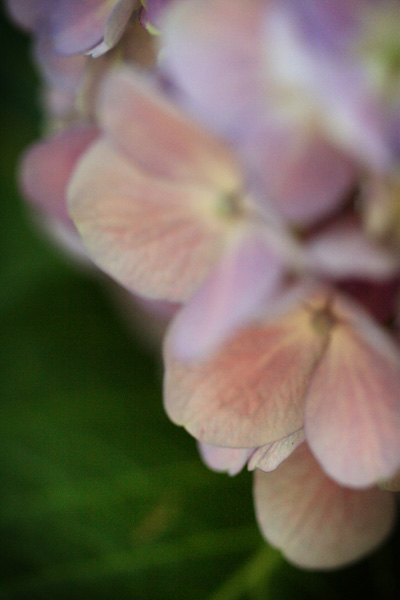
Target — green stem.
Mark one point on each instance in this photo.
(258, 569)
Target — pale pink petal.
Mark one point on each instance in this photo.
(150, 16)
(212, 49)
(345, 251)
(323, 87)
(65, 72)
(58, 103)
(247, 274)
(316, 523)
(47, 167)
(78, 25)
(149, 234)
(231, 460)
(305, 178)
(270, 456)
(158, 137)
(352, 415)
(252, 391)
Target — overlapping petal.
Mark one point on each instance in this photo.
(352, 416)
(328, 254)
(252, 391)
(249, 272)
(314, 521)
(147, 233)
(159, 202)
(47, 167)
(302, 173)
(81, 25)
(269, 457)
(230, 460)
(159, 138)
(325, 360)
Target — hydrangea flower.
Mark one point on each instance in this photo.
(323, 365)
(249, 177)
(161, 207)
(304, 175)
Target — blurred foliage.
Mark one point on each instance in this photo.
(102, 497)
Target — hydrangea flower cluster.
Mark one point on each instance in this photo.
(241, 159)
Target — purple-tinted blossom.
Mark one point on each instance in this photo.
(226, 83)
(75, 26)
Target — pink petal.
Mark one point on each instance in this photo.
(78, 25)
(270, 456)
(158, 137)
(304, 176)
(352, 415)
(231, 460)
(324, 84)
(247, 274)
(221, 78)
(47, 167)
(345, 251)
(252, 391)
(316, 523)
(153, 11)
(151, 235)
(65, 72)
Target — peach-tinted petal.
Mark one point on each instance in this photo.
(147, 233)
(158, 137)
(231, 460)
(314, 521)
(352, 415)
(252, 391)
(47, 167)
(270, 456)
(248, 273)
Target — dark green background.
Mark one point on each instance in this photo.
(101, 497)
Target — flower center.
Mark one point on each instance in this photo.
(323, 320)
